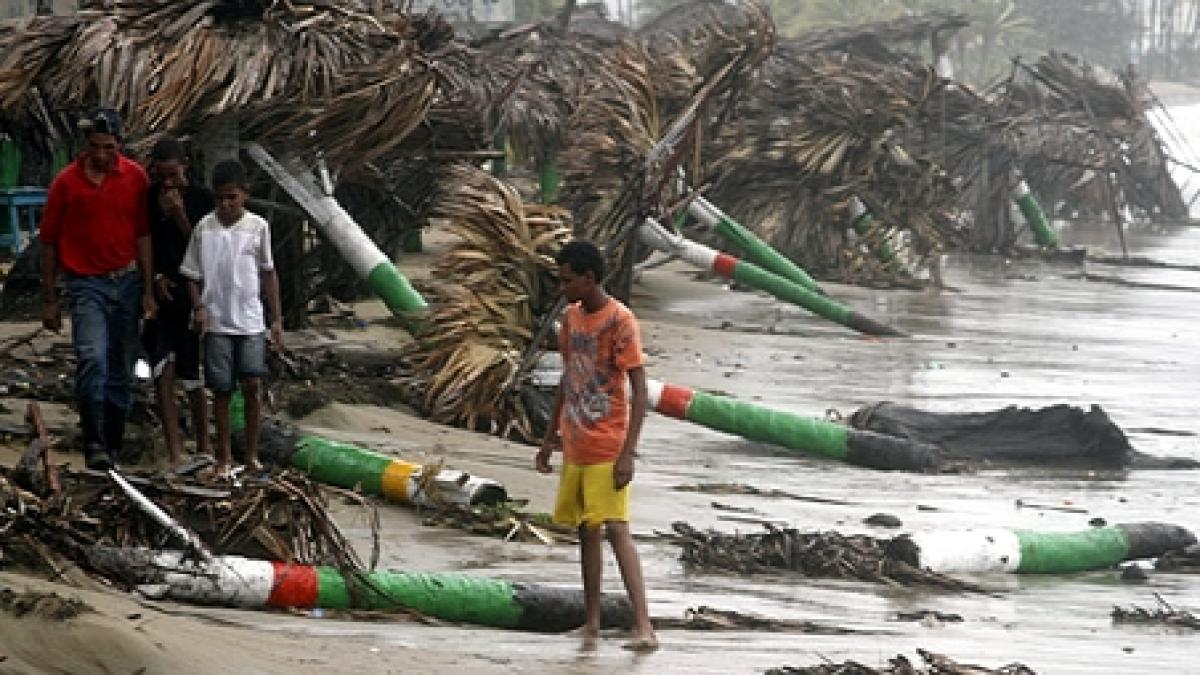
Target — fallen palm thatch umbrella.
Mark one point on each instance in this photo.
(492, 284)
(258, 584)
(659, 238)
(788, 430)
(900, 665)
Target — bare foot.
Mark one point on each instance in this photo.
(642, 644)
(588, 637)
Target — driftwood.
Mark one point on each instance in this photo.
(712, 619)
(1163, 615)
(901, 665)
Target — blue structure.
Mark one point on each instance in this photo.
(22, 204)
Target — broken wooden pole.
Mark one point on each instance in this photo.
(808, 435)
(756, 250)
(659, 238)
(234, 581)
(356, 248)
(1031, 552)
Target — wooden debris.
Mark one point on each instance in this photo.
(506, 521)
(1164, 615)
(709, 618)
(901, 665)
(811, 554)
(743, 489)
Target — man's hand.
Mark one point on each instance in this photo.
(171, 202)
(623, 471)
(149, 304)
(51, 315)
(200, 320)
(163, 286)
(542, 461)
(277, 336)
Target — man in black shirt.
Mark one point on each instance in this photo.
(175, 206)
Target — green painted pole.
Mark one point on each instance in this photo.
(755, 249)
(1034, 216)
(863, 222)
(548, 180)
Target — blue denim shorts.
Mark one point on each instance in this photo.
(229, 359)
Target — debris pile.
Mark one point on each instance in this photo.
(901, 665)
(1163, 615)
(811, 554)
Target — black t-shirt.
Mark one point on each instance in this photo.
(169, 242)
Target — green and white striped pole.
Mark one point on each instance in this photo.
(862, 220)
(708, 259)
(1034, 216)
(356, 248)
(354, 468)
(234, 581)
(1032, 552)
(756, 250)
(807, 435)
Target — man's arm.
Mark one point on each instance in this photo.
(51, 315)
(270, 284)
(199, 311)
(542, 461)
(623, 471)
(145, 260)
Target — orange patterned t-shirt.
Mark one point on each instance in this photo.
(598, 349)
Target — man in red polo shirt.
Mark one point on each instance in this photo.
(94, 229)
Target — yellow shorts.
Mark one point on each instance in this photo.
(586, 496)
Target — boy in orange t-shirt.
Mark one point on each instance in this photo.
(600, 424)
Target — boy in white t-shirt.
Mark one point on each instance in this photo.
(228, 265)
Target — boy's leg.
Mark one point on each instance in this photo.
(218, 373)
(169, 412)
(252, 395)
(199, 405)
(621, 540)
(251, 364)
(591, 562)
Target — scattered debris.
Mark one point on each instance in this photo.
(51, 606)
(924, 614)
(1164, 614)
(812, 554)
(900, 665)
(709, 618)
(743, 489)
(506, 521)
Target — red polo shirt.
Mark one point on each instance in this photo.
(96, 227)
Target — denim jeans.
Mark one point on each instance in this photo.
(104, 330)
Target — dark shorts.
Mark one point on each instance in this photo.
(229, 359)
(168, 339)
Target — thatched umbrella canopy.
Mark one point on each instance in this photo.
(317, 72)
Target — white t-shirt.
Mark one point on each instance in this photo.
(227, 261)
